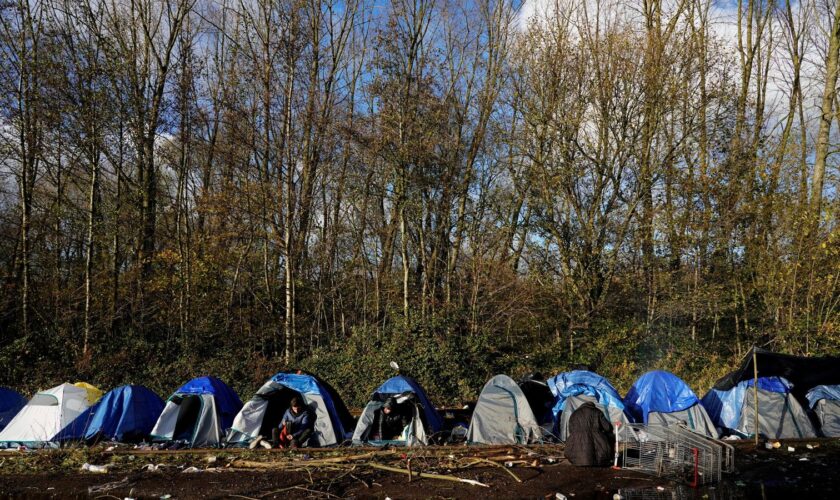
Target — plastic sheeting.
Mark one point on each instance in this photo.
(828, 392)
(401, 384)
(582, 382)
(658, 391)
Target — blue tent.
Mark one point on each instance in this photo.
(658, 391)
(125, 413)
(11, 403)
(228, 403)
(332, 420)
(662, 398)
(402, 383)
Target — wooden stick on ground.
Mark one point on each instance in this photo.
(428, 475)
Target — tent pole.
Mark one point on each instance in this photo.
(755, 395)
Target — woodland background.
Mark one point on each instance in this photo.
(236, 187)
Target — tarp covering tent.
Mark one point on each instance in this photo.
(263, 412)
(779, 414)
(11, 402)
(660, 397)
(125, 414)
(824, 401)
(198, 413)
(802, 372)
(573, 389)
(45, 415)
(425, 421)
(502, 415)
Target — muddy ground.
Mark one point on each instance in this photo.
(778, 473)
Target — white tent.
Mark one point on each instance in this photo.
(45, 415)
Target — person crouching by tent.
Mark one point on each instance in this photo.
(296, 427)
(590, 439)
(389, 421)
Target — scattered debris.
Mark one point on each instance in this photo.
(190, 470)
(104, 488)
(99, 469)
(791, 449)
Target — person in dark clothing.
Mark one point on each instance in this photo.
(295, 427)
(590, 441)
(390, 420)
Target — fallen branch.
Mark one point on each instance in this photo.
(428, 475)
(484, 460)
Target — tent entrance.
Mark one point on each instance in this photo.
(189, 409)
(277, 402)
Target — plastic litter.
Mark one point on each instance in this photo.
(189, 470)
(769, 446)
(99, 469)
(791, 448)
(560, 496)
(211, 459)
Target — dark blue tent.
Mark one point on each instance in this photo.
(126, 413)
(663, 398)
(11, 403)
(402, 383)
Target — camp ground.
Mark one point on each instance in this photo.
(660, 397)
(502, 415)
(410, 398)
(574, 388)
(197, 414)
(265, 409)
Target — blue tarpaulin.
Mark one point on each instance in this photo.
(401, 384)
(658, 391)
(724, 407)
(11, 403)
(129, 411)
(576, 382)
(227, 402)
(305, 383)
(830, 392)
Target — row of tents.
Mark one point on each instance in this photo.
(205, 412)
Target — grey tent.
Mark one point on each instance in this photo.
(198, 413)
(265, 410)
(410, 397)
(780, 416)
(502, 415)
(825, 403)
